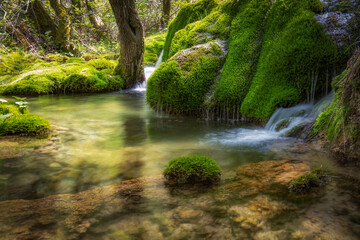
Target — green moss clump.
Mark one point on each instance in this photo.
(192, 169)
(180, 85)
(24, 124)
(244, 49)
(188, 13)
(153, 46)
(296, 51)
(308, 181)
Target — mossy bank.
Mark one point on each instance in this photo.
(278, 56)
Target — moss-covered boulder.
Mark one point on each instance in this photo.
(16, 120)
(192, 170)
(339, 125)
(279, 54)
(181, 84)
(25, 124)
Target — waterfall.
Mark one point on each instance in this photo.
(148, 70)
(285, 119)
(282, 123)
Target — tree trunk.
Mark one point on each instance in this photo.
(64, 26)
(42, 19)
(95, 19)
(131, 36)
(166, 12)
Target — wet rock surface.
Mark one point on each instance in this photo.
(340, 20)
(255, 204)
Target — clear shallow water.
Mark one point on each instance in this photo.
(105, 139)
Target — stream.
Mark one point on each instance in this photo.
(104, 139)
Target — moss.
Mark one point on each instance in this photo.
(75, 60)
(188, 13)
(180, 85)
(9, 108)
(192, 169)
(308, 181)
(25, 124)
(295, 51)
(14, 63)
(101, 64)
(44, 78)
(216, 25)
(153, 46)
(331, 120)
(244, 50)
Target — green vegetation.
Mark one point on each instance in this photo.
(26, 124)
(189, 13)
(295, 52)
(192, 169)
(308, 181)
(180, 85)
(244, 49)
(16, 120)
(153, 46)
(74, 75)
(339, 124)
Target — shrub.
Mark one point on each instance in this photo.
(192, 169)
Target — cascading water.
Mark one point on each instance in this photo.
(149, 70)
(282, 122)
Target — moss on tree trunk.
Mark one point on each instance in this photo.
(63, 32)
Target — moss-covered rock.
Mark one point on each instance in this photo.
(24, 124)
(188, 13)
(278, 53)
(244, 49)
(153, 46)
(192, 169)
(16, 120)
(339, 124)
(180, 85)
(296, 53)
(308, 181)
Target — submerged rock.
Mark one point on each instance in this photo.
(145, 208)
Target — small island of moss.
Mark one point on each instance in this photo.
(194, 169)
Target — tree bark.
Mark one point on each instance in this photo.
(166, 12)
(95, 19)
(131, 36)
(64, 26)
(41, 18)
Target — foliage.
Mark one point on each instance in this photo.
(192, 169)
(180, 84)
